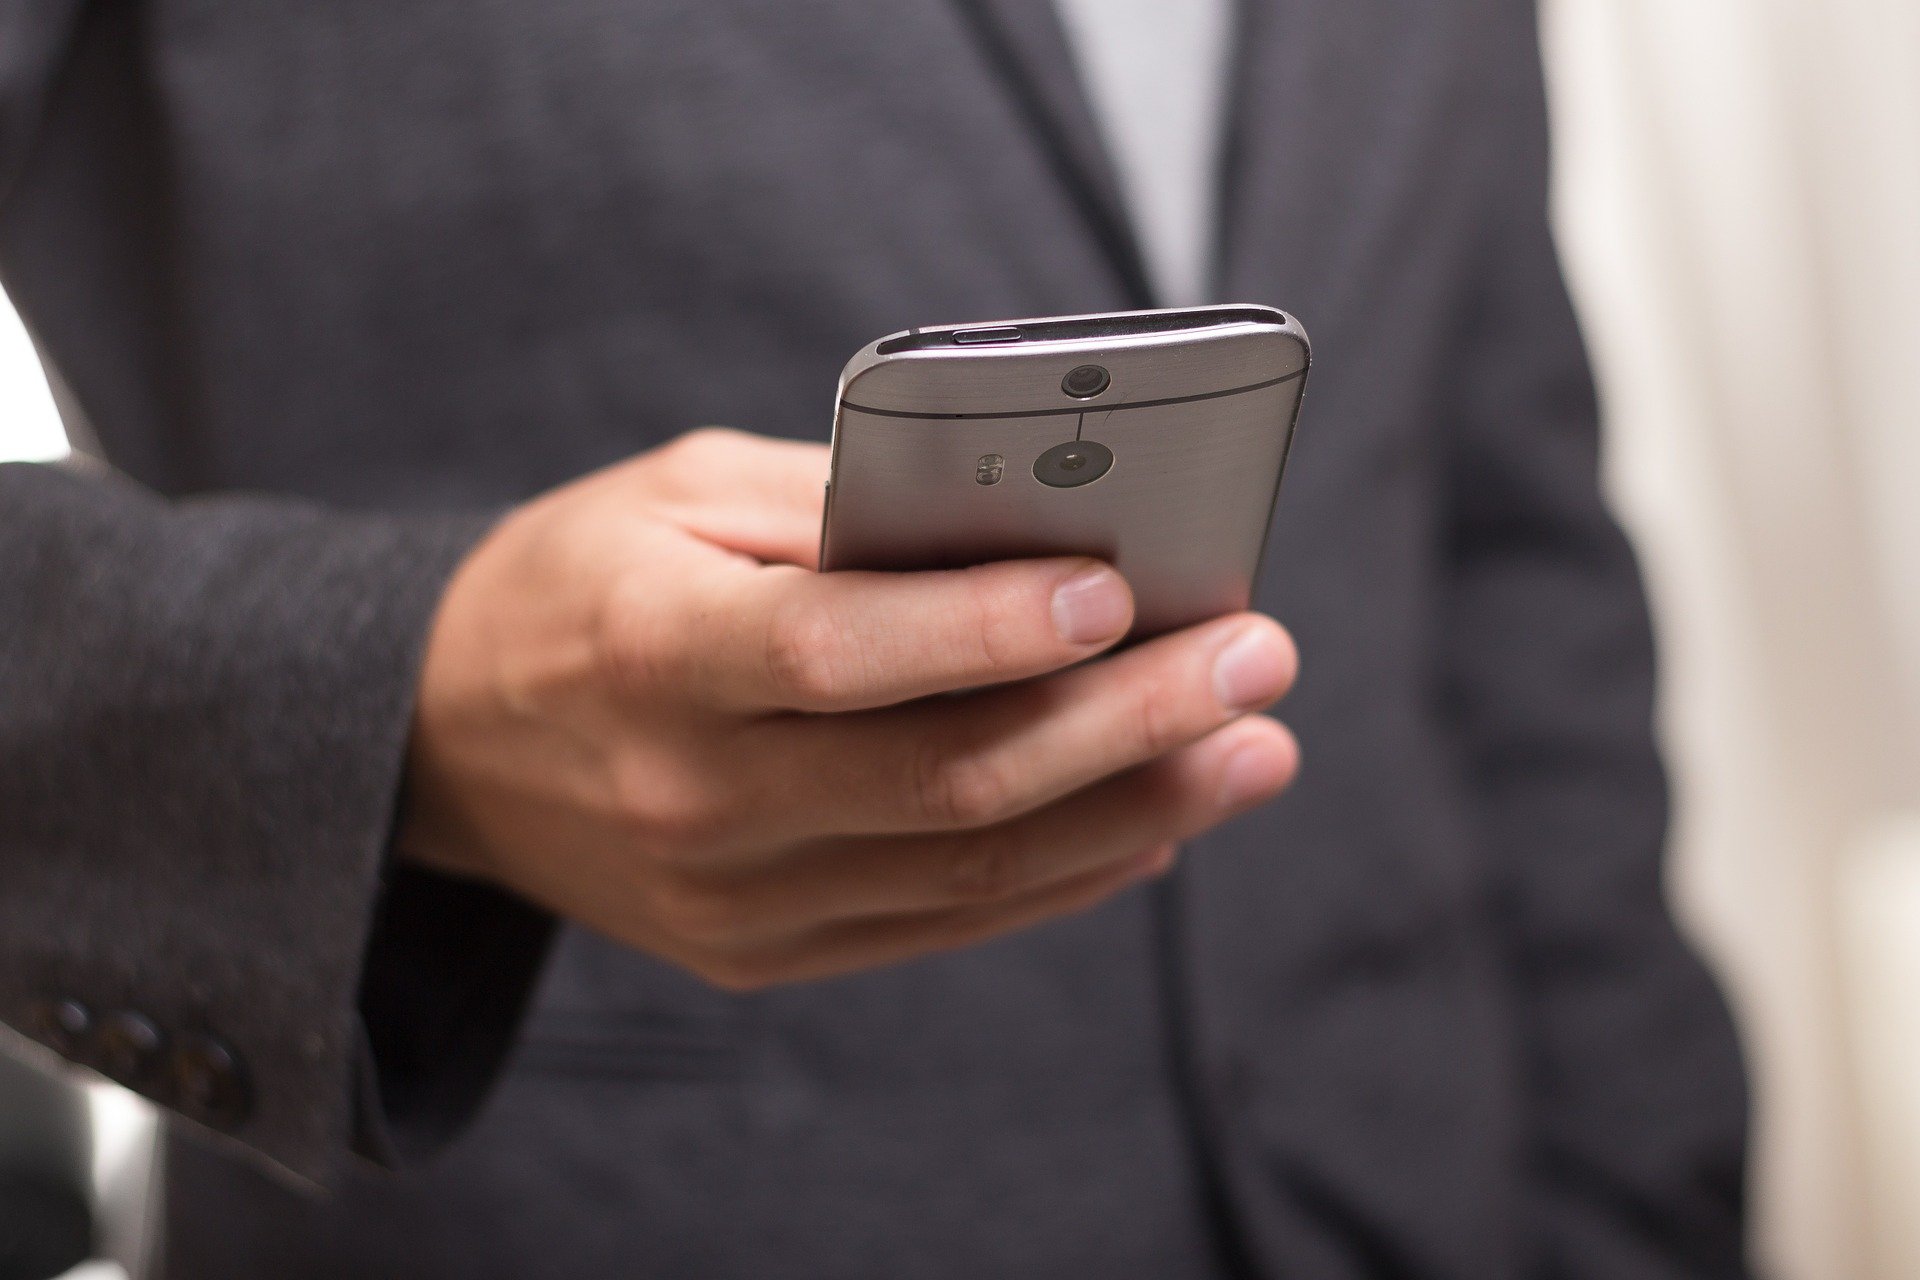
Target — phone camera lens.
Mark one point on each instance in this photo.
(1070, 465)
(1086, 381)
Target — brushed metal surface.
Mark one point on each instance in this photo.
(1183, 512)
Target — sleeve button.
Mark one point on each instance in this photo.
(126, 1048)
(208, 1082)
(61, 1024)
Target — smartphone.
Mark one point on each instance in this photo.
(1154, 440)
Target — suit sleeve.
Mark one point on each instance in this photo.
(203, 721)
(204, 709)
(1636, 1095)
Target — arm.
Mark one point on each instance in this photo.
(626, 704)
(202, 724)
(1638, 1101)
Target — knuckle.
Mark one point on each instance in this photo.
(702, 437)
(692, 448)
(1160, 722)
(962, 791)
(688, 461)
(618, 636)
(800, 662)
(704, 914)
(994, 633)
(667, 816)
(982, 871)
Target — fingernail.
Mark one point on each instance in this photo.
(1253, 669)
(1252, 774)
(1091, 606)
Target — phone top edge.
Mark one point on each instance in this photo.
(1098, 326)
(937, 342)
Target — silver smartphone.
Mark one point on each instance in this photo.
(1154, 440)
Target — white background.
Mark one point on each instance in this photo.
(29, 427)
(1739, 200)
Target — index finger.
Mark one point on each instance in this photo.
(758, 495)
(786, 639)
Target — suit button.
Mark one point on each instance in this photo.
(62, 1025)
(207, 1082)
(126, 1048)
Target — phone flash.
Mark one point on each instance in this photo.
(989, 469)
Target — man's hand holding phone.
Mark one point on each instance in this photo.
(641, 708)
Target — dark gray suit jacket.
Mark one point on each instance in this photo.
(331, 282)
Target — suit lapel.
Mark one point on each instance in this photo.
(1026, 48)
(1252, 23)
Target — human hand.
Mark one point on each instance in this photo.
(641, 708)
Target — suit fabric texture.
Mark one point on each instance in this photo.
(330, 285)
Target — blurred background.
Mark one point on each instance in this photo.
(1738, 200)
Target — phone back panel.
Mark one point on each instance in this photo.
(934, 448)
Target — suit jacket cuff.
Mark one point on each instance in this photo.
(451, 967)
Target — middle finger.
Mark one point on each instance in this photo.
(955, 764)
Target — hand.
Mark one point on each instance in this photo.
(643, 709)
